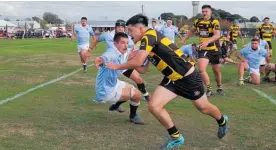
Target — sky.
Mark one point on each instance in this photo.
(108, 10)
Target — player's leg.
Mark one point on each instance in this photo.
(243, 66)
(214, 58)
(135, 76)
(203, 62)
(160, 97)
(83, 50)
(205, 107)
(255, 77)
(129, 92)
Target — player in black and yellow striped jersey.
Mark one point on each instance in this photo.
(234, 31)
(180, 77)
(209, 32)
(225, 45)
(266, 31)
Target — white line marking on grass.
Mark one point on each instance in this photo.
(40, 86)
(265, 96)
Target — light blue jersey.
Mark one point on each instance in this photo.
(187, 50)
(106, 79)
(108, 38)
(263, 44)
(169, 32)
(83, 33)
(253, 57)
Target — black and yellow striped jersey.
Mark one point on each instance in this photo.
(165, 55)
(266, 32)
(206, 29)
(226, 43)
(234, 32)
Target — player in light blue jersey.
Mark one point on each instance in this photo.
(130, 73)
(83, 32)
(154, 25)
(251, 57)
(108, 87)
(190, 51)
(170, 31)
(263, 44)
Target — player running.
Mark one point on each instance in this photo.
(180, 78)
(266, 31)
(251, 58)
(209, 32)
(234, 31)
(83, 31)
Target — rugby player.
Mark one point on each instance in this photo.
(209, 32)
(83, 31)
(180, 78)
(108, 87)
(170, 31)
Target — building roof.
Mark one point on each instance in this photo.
(22, 23)
(252, 24)
(6, 23)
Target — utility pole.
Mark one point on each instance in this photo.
(142, 9)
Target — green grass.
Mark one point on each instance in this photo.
(62, 115)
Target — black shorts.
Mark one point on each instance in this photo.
(213, 56)
(223, 51)
(190, 87)
(234, 41)
(269, 44)
(128, 72)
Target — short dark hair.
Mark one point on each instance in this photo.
(255, 40)
(194, 44)
(206, 6)
(83, 18)
(139, 18)
(266, 18)
(119, 35)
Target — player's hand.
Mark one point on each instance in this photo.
(131, 55)
(203, 45)
(244, 60)
(112, 66)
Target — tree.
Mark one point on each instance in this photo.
(17, 20)
(181, 17)
(7, 19)
(35, 18)
(254, 19)
(165, 16)
(28, 19)
(52, 18)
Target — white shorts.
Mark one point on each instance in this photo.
(83, 47)
(234, 47)
(115, 95)
(263, 61)
(254, 71)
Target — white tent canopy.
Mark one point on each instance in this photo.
(4, 24)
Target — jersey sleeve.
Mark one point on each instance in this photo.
(102, 37)
(264, 53)
(91, 32)
(75, 28)
(243, 51)
(148, 42)
(195, 23)
(216, 25)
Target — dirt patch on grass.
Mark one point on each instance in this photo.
(22, 128)
(26, 79)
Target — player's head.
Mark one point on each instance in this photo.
(120, 26)
(206, 11)
(83, 21)
(194, 46)
(169, 22)
(254, 43)
(153, 22)
(266, 20)
(137, 26)
(235, 22)
(121, 41)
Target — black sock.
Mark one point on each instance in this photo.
(142, 88)
(173, 132)
(133, 110)
(221, 121)
(117, 105)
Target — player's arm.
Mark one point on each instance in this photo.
(240, 55)
(146, 46)
(189, 34)
(228, 32)
(98, 61)
(216, 30)
(144, 68)
(177, 33)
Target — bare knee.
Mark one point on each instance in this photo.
(135, 95)
(136, 78)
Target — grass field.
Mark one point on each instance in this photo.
(62, 115)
